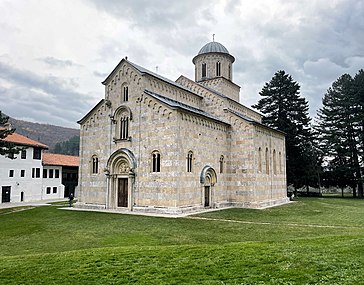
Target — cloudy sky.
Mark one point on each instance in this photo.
(54, 54)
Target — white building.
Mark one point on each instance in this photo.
(60, 175)
(33, 175)
(20, 178)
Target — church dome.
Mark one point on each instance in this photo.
(213, 47)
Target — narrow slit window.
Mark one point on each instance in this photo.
(189, 161)
(221, 164)
(125, 93)
(156, 161)
(218, 68)
(203, 70)
(267, 161)
(95, 165)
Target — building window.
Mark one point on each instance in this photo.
(267, 161)
(11, 173)
(221, 164)
(156, 161)
(23, 154)
(229, 71)
(50, 173)
(22, 173)
(44, 173)
(37, 173)
(260, 159)
(56, 173)
(124, 127)
(54, 190)
(280, 162)
(37, 153)
(203, 70)
(48, 190)
(218, 68)
(95, 165)
(125, 93)
(189, 161)
(122, 118)
(274, 162)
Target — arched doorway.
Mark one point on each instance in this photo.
(208, 180)
(121, 173)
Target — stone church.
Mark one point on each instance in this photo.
(157, 145)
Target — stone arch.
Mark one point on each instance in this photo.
(208, 175)
(120, 172)
(208, 179)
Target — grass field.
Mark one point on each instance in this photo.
(311, 241)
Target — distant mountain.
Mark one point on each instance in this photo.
(44, 133)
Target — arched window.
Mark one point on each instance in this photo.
(125, 94)
(156, 161)
(218, 68)
(124, 127)
(267, 161)
(280, 162)
(221, 164)
(122, 120)
(274, 162)
(95, 165)
(203, 70)
(189, 161)
(260, 159)
(229, 71)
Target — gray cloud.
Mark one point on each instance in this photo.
(46, 99)
(59, 63)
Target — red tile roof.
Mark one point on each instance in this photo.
(60, 159)
(21, 140)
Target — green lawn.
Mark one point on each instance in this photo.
(311, 241)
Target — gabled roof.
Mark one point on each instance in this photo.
(87, 115)
(178, 105)
(219, 94)
(143, 70)
(60, 159)
(23, 141)
(250, 120)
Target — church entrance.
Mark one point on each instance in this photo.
(208, 181)
(207, 196)
(121, 179)
(123, 192)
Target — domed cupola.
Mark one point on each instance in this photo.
(212, 61)
(214, 69)
(213, 47)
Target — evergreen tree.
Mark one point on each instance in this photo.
(340, 127)
(285, 110)
(70, 147)
(7, 149)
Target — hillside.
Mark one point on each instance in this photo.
(44, 133)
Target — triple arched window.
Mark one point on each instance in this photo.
(122, 119)
(276, 161)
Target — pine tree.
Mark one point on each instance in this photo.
(7, 149)
(285, 110)
(340, 127)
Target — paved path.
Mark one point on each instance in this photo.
(34, 203)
